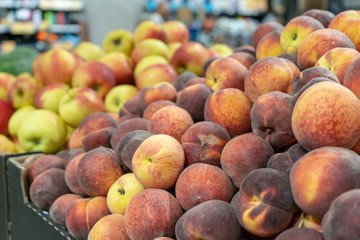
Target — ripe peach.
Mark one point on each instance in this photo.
(271, 118)
(264, 204)
(58, 208)
(243, 154)
(170, 120)
(323, 16)
(111, 226)
(152, 213)
(263, 29)
(230, 108)
(97, 171)
(352, 77)
(71, 175)
(210, 220)
(203, 142)
(326, 114)
(156, 92)
(47, 187)
(127, 126)
(82, 215)
(153, 107)
(193, 99)
(244, 58)
(316, 180)
(344, 214)
(182, 79)
(280, 70)
(269, 45)
(302, 233)
(193, 186)
(43, 163)
(132, 106)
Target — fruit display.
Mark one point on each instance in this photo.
(153, 136)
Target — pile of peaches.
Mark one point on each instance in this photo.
(261, 141)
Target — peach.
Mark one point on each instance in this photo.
(269, 45)
(243, 154)
(132, 106)
(326, 114)
(323, 16)
(338, 60)
(170, 120)
(245, 48)
(347, 22)
(152, 213)
(58, 208)
(96, 130)
(244, 58)
(70, 154)
(263, 29)
(225, 73)
(318, 43)
(111, 226)
(230, 108)
(83, 214)
(182, 79)
(43, 163)
(74, 140)
(271, 118)
(153, 107)
(210, 220)
(316, 180)
(129, 125)
(156, 92)
(47, 187)
(291, 57)
(207, 64)
(71, 175)
(285, 160)
(203, 142)
(127, 146)
(193, 186)
(264, 204)
(302, 233)
(352, 77)
(192, 99)
(158, 161)
(194, 81)
(281, 70)
(344, 214)
(308, 74)
(97, 171)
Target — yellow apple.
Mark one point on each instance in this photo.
(147, 62)
(121, 192)
(89, 51)
(49, 96)
(149, 47)
(42, 130)
(16, 119)
(117, 96)
(6, 145)
(119, 41)
(223, 49)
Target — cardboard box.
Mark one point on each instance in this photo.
(27, 221)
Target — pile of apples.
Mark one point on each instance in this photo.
(256, 142)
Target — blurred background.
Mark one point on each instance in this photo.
(43, 24)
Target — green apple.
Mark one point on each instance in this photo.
(6, 80)
(49, 96)
(89, 51)
(121, 192)
(17, 118)
(147, 62)
(42, 130)
(78, 103)
(117, 96)
(119, 41)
